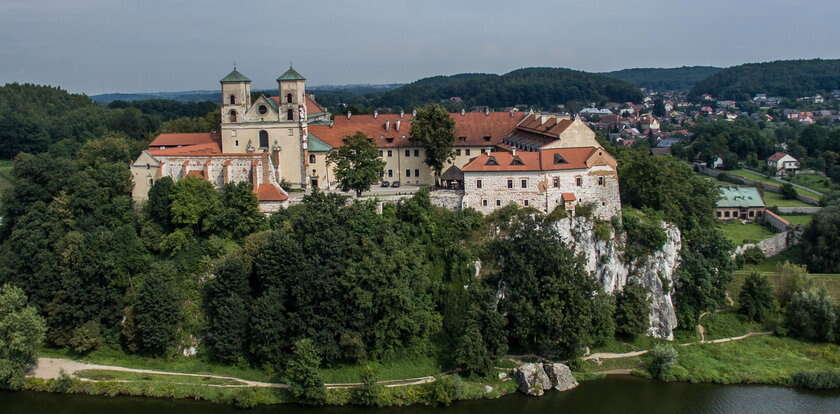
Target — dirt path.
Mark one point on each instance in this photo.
(610, 355)
(51, 368)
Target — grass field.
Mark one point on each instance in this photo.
(798, 219)
(775, 199)
(108, 375)
(760, 178)
(740, 233)
(817, 182)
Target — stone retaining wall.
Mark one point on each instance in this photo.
(772, 246)
(799, 210)
(776, 222)
(746, 181)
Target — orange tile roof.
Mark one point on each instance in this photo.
(575, 159)
(270, 192)
(569, 197)
(552, 126)
(172, 140)
(196, 173)
(312, 107)
(210, 148)
(471, 128)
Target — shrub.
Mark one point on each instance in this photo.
(792, 278)
(303, 375)
(645, 234)
(664, 358)
(788, 191)
(756, 298)
(370, 393)
(86, 338)
(820, 380)
(584, 209)
(603, 230)
(558, 213)
(752, 255)
(811, 315)
(603, 318)
(446, 389)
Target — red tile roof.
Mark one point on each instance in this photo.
(552, 126)
(174, 140)
(270, 192)
(571, 159)
(312, 107)
(210, 148)
(777, 156)
(569, 197)
(196, 173)
(471, 128)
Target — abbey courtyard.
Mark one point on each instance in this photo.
(539, 160)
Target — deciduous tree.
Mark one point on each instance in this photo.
(434, 130)
(357, 163)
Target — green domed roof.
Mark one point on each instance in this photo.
(291, 75)
(235, 76)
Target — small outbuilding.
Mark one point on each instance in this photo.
(744, 203)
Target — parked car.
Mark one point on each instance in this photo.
(385, 184)
(395, 184)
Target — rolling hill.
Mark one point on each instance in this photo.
(785, 78)
(665, 78)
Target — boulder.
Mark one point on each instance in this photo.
(532, 379)
(560, 376)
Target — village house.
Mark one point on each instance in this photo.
(743, 203)
(782, 164)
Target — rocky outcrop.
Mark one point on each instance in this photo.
(605, 257)
(560, 376)
(535, 379)
(532, 379)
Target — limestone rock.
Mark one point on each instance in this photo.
(532, 379)
(560, 376)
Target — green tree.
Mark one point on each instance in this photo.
(303, 375)
(371, 392)
(664, 357)
(226, 310)
(21, 333)
(239, 214)
(820, 240)
(357, 163)
(756, 298)
(812, 315)
(434, 130)
(603, 318)
(471, 353)
(157, 311)
(195, 204)
(160, 201)
(659, 107)
(788, 191)
(632, 310)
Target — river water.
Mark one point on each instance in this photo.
(613, 395)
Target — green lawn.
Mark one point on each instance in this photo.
(108, 375)
(757, 177)
(817, 182)
(740, 233)
(798, 219)
(775, 199)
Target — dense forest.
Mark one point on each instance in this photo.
(785, 78)
(36, 118)
(665, 78)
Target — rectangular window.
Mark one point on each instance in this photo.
(477, 183)
(726, 214)
(467, 151)
(484, 203)
(390, 173)
(752, 213)
(380, 154)
(417, 153)
(416, 172)
(579, 181)
(601, 181)
(407, 173)
(498, 203)
(718, 214)
(524, 183)
(510, 183)
(390, 153)
(526, 203)
(407, 153)
(458, 152)
(556, 182)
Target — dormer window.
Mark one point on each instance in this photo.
(558, 159)
(389, 139)
(462, 139)
(487, 138)
(491, 160)
(516, 161)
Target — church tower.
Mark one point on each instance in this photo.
(292, 89)
(236, 97)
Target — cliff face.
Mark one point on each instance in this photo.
(608, 263)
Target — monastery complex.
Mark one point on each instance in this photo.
(544, 161)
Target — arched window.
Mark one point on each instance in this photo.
(263, 139)
(288, 98)
(232, 115)
(312, 158)
(233, 100)
(290, 115)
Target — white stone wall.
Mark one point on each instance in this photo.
(494, 190)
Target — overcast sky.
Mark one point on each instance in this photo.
(97, 46)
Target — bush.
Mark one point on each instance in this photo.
(811, 315)
(632, 310)
(603, 230)
(557, 214)
(788, 191)
(645, 234)
(370, 393)
(752, 255)
(821, 380)
(86, 338)
(792, 278)
(446, 389)
(664, 358)
(756, 298)
(603, 318)
(303, 375)
(584, 209)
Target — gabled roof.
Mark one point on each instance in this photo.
(777, 156)
(235, 76)
(550, 126)
(209, 148)
(544, 160)
(291, 75)
(183, 139)
(316, 145)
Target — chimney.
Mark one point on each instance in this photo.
(387, 124)
(349, 114)
(375, 114)
(397, 124)
(463, 111)
(413, 112)
(402, 113)
(486, 110)
(542, 119)
(513, 151)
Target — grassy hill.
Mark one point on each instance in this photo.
(786, 78)
(665, 78)
(540, 87)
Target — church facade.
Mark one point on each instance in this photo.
(283, 141)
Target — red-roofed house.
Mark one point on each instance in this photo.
(783, 164)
